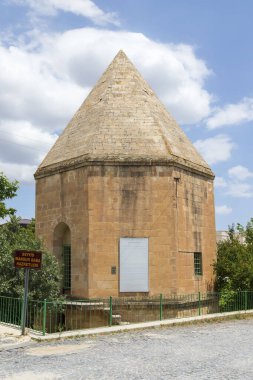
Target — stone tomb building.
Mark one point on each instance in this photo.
(123, 199)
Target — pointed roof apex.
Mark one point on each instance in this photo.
(122, 122)
(120, 53)
(120, 59)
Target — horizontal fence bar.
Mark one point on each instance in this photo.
(64, 315)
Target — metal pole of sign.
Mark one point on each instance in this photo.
(24, 309)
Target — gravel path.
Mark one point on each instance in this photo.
(206, 351)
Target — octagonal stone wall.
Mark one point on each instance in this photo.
(172, 207)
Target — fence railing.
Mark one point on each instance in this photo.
(63, 315)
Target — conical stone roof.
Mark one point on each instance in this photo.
(122, 121)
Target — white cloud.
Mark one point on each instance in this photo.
(240, 190)
(85, 8)
(232, 114)
(43, 82)
(20, 172)
(23, 147)
(234, 187)
(61, 66)
(223, 210)
(215, 149)
(220, 182)
(31, 90)
(239, 173)
(23, 143)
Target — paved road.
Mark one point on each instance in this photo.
(206, 351)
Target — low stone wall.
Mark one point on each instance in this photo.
(78, 315)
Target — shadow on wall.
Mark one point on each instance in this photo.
(62, 251)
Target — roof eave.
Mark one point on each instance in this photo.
(75, 164)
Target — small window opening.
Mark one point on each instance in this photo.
(198, 270)
(66, 267)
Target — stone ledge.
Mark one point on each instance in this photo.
(79, 162)
(135, 326)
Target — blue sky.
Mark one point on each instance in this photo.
(196, 54)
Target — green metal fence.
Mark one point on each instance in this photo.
(64, 315)
(10, 310)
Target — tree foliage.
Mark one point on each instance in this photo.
(7, 191)
(44, 283)
(234, 266)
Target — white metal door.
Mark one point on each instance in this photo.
(134, 265)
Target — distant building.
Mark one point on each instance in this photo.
(24, 222)
(223, 235)
(123, 198)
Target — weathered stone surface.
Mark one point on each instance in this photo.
(110, 203)
(122, 120)
(123, 168)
